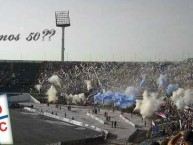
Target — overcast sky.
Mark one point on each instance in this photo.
(101, 30)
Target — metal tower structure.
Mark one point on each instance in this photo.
(62, 20)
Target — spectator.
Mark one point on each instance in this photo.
(187, 138)
(115, 124)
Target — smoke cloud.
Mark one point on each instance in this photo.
(51, 93)
(180, 103)
(182, 98)
(177, 95)
(76, 99)
(162, 81)
(55, 80)
(38, 87)
(120, 99)
(138, 105)
(171, 88)
(132, 92)
(143, 81)
(88, 84)
(149, 105)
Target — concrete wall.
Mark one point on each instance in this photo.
(24, 97)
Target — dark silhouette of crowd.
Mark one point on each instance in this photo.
(18, 76)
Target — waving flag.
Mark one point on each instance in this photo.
(153, 123)
(163, 115)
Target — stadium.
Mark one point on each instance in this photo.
(124, 77)
(57, 100)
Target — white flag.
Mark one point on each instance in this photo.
(5, 124)
(153, 123)
(180, 124)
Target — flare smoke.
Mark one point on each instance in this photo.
(120, 99)
(51, 93)
(38, 87)
(76, 99)
(55, 80)
(171, 88)
(149, 105)
(162, 81)
(182, 97)
(88, 84)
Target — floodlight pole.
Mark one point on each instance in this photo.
(62, 20)
(63, 49)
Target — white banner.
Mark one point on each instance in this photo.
(96, 118)
(5, 124)
(127, 121)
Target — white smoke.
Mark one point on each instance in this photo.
(132, 92)
(177, 95)
(68, 99)
(149, 105)
(182, 98)
(162, 81)
(55, 80)
(88, 84)
(38, 87)
(76, 99)
(138, 105)
(180, 103)
(51, 93)
(188, 97)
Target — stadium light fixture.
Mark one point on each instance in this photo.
(62, 20)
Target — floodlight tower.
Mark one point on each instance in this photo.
(62, 20)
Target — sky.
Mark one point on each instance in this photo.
(101, 30)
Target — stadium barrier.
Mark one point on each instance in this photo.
(126, 120)
(96, 118)
(30, 109)
(86, 125)
(100, 130)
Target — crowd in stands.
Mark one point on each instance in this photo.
(114, 76)
(118, 76)
(17, 76)
(171, 122)
(180, 138)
